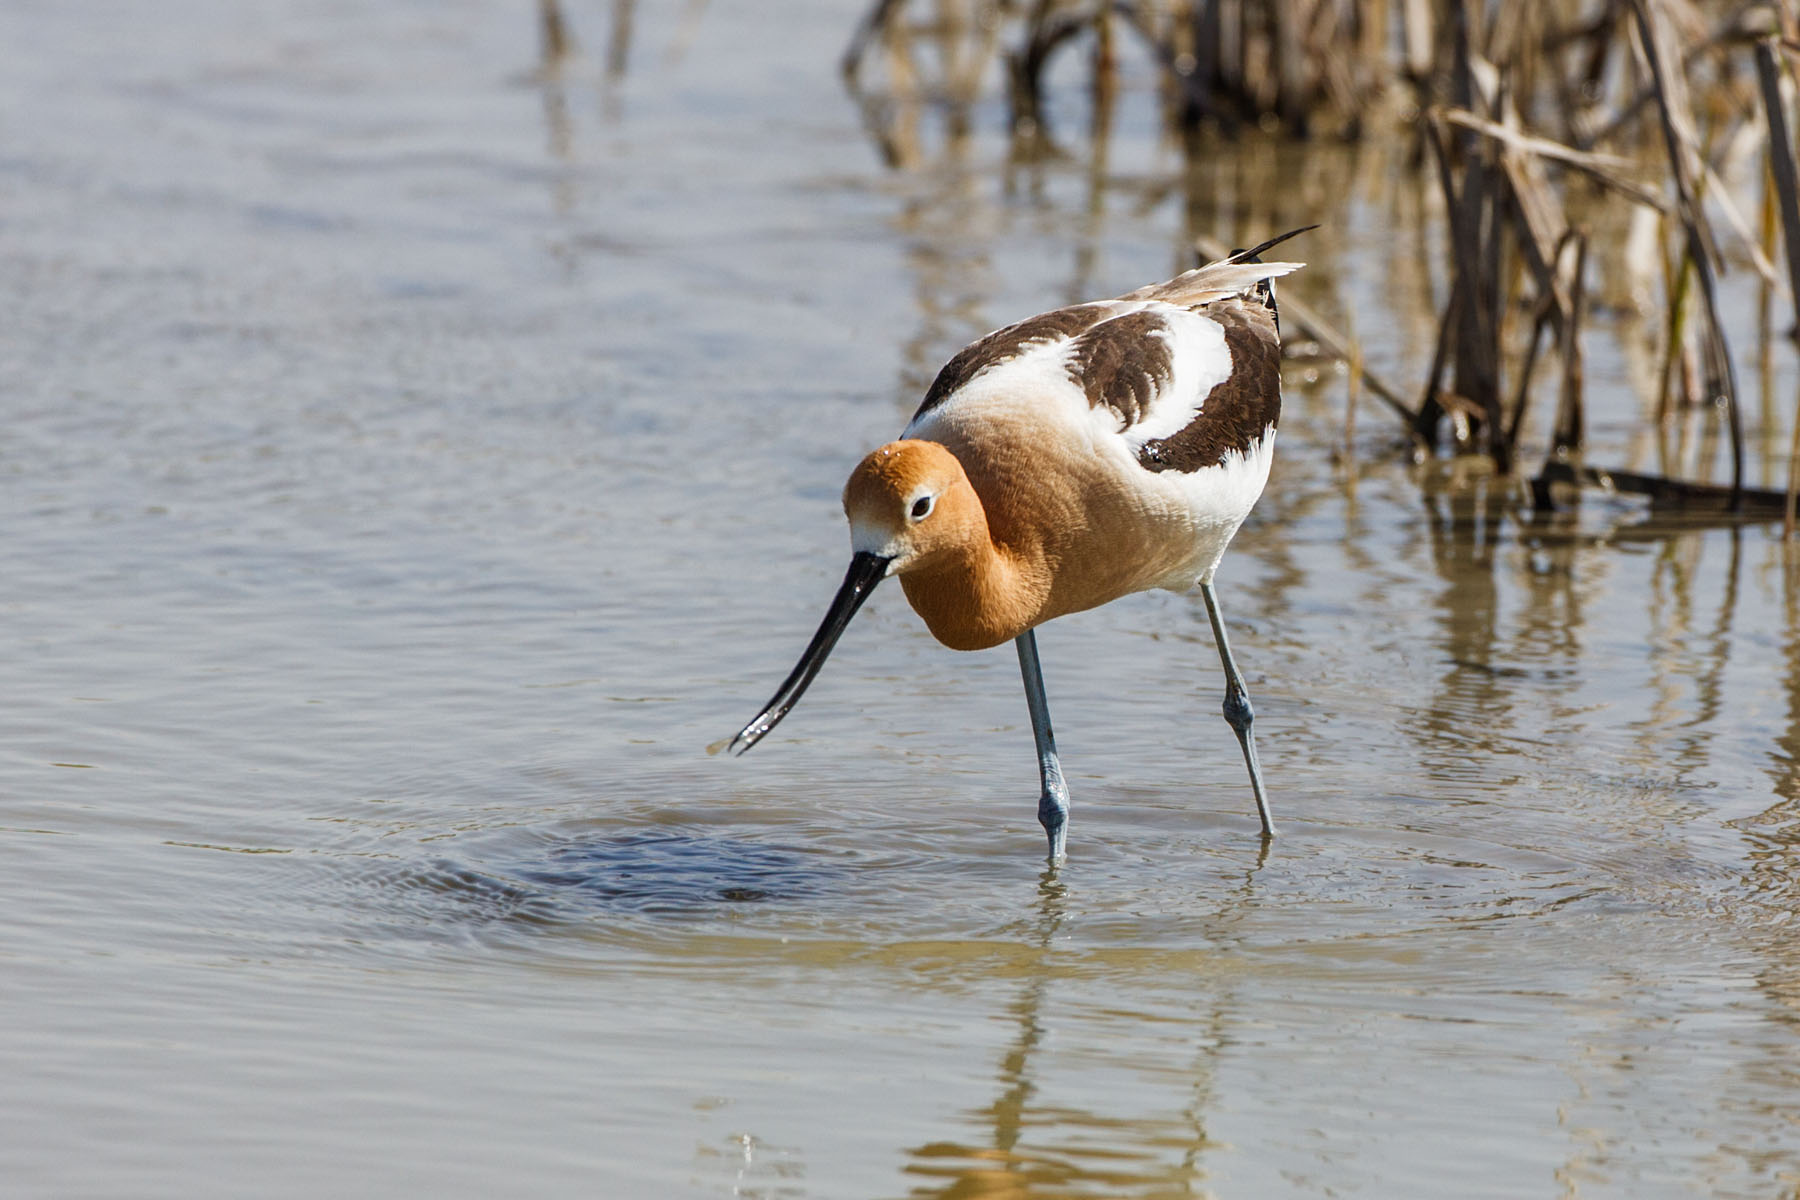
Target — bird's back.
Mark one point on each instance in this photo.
(1121, 442)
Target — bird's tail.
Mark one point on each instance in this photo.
(1236, 273)
(1265, 290)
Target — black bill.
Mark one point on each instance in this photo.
(866, 570)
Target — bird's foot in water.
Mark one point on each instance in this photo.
(1053, 815)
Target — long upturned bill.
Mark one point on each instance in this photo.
(866, 570)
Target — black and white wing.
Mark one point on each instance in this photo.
(1185, 371)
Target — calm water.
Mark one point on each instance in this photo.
(409, 467)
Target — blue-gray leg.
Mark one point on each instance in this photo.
(1238, 712)
(1053, 805)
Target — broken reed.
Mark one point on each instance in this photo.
(1512, 102)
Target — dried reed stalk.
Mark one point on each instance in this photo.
(1571, 421)
(1688, 498)
(1604, 168)
(1657, 39)
(1540, 320)
(1787, 192)
(1781, 156)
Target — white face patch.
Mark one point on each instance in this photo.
(867, 537)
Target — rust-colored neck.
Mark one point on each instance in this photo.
(977, 595)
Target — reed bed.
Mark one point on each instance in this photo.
(1533, 116)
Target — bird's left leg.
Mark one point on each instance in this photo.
(1237, 707)
(1053, 805)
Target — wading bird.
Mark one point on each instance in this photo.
(1065, 461)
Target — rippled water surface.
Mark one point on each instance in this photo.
(412, 462)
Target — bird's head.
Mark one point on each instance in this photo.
(910, 504)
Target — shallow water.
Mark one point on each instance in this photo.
(410, 465)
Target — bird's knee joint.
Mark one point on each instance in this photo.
(1237, 709)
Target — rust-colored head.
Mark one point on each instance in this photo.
(910, 502)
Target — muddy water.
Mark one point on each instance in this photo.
(409, 465)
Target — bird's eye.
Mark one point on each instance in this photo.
(922, 508)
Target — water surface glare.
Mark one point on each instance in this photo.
(411, 464)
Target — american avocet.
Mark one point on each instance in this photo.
(1065, 461)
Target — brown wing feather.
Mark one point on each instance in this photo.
(1239, 411)
(1123, 363)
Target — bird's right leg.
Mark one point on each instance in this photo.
(1053, 805)
(1238, 712)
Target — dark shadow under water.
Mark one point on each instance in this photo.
(559, 876)
(670, 872)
